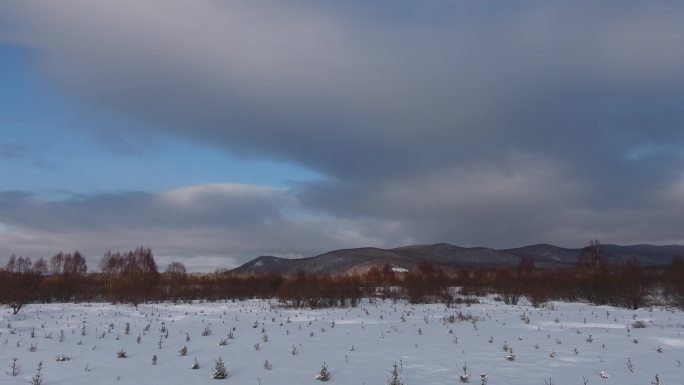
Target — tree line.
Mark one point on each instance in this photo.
(133, 277)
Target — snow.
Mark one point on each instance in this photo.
(400, 270)
(379, 339)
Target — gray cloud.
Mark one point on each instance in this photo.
(477, 123)
(222, 222)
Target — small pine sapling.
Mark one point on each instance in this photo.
(15, 368)
(394, 376)
(195, 364)
(323, 374)
(37, 379)
(656, 381)
(219, 371)
(510, 356)
(465, 377)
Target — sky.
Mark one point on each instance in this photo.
(217, 131)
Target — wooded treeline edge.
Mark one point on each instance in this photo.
(133, 277)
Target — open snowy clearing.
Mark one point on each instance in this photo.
(359, 344)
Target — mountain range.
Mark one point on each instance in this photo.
(450, 257)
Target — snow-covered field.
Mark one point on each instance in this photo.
(358, 344)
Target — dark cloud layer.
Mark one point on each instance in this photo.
(221, 223)
(469, 122)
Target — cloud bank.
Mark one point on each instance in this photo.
(474, 123)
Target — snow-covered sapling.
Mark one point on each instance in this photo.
(121, 354)
(37, 379)
(195, 364)
(323, 374)
(394, 376)
(62, 358)
(14, 368)
(219, 371)
(206, 332)
(510, 356)
(656, 381)
(465, 377)
(183, 351)
(267, 365)
(154, 359)
(484, 378)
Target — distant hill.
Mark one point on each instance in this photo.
(451, 257)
